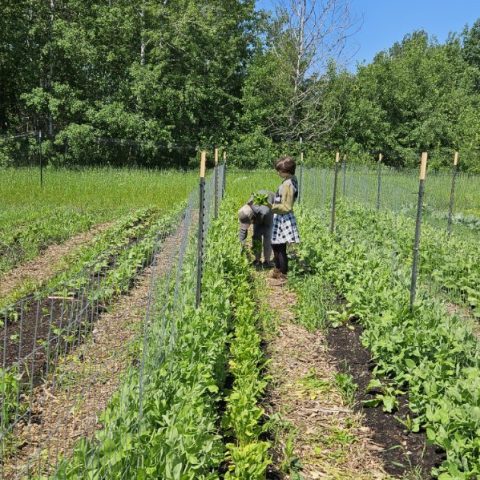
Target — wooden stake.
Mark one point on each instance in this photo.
(455, 159)
(423, 166)
(216, 156)
(203, 162)
(380, 157)
(337, 158)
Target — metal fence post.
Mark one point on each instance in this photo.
(452, 193)
(300, 183)
(215, 180)
(379, 180)
(300, 177)
(224, 180)
(40, 157)
(416, 245)
(334, 195)
(201, 221)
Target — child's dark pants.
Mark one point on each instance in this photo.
(280, 257)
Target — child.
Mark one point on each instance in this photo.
(262, 218)
(284, 223)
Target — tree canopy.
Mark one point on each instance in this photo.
(140, 82)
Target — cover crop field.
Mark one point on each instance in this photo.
(132, 352)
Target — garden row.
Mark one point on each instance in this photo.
(23, 241)
(48, 320)
(71, 201)
(449, 264)
(190, 411)
(426, 352)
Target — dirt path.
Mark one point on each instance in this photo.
(85, 380)
(48, 263)
(319, 434)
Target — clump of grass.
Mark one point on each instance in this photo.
(346, 386)
(314, 302)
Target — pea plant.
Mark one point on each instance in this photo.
(426, 352)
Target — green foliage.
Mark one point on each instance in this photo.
(9, 391)
(253, 150)
(154, 74)
(347, 387)
(28, 240)
(314, 301)
(185, 355)
(433, 354)
(247, 456)
(260, 199)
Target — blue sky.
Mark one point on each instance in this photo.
(383, 22)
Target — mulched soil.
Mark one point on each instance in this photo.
(330, 440)
(400, 450)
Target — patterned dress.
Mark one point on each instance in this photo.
(285, 228)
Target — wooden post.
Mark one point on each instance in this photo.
(344, 166)
(416, 245)
(334, 194)
(379, 180)
(201, 223)
(452, 194)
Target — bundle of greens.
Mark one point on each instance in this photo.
(260, 199)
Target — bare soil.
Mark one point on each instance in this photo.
(68, 405)
(401, 452)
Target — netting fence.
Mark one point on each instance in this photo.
(385, 204)
(68, 349)
(384, 188)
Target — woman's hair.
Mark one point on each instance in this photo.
(286, 165)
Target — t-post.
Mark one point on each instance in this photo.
(379, 180)
(300, 179)
(215, 209)
(452, 194)
(201, 222)
(416, 245)
(40, 157)
(224, 179)
(334, 194)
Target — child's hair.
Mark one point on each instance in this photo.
(286, 165)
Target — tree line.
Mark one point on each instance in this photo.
(146, 83)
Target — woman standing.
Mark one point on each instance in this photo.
(285, 229)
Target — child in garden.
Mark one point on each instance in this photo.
(261, 217)
(284, 223)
